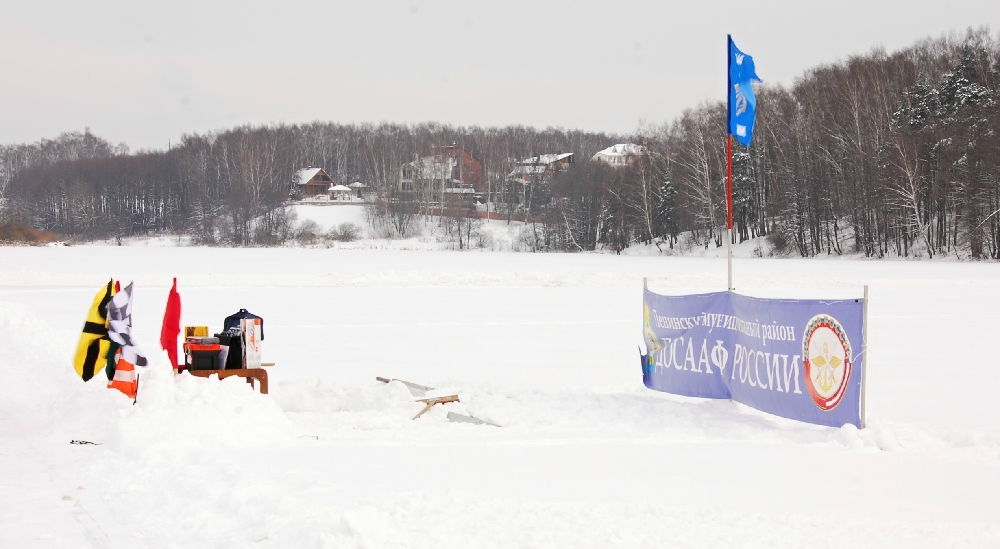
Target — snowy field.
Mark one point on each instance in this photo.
(329, 215)
(544, 345)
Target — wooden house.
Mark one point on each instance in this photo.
(313, 182)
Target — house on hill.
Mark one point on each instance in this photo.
(451, 172)
(536, 170)
(539, 168)
(311, 182)
(622, 154)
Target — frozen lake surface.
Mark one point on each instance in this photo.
(544, 345)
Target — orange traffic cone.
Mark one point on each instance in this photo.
(125, 379)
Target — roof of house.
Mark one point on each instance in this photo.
(528, 169)
(305, 175)
(434, 167)
(622, 149)
(537, 164)
(545, 158)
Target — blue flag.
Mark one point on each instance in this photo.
(742, 101)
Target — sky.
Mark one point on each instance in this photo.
(148, 73)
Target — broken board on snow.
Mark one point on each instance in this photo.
(421, 390)
(415, 389)
(430, 402)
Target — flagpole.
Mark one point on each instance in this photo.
(729, 208)
(729, 159)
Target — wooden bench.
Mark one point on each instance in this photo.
(250, 374)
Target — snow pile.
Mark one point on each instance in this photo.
(321, 407)
(201, 413)
(171, 411)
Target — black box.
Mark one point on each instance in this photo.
(204, 360)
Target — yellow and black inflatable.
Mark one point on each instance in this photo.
(92, 351)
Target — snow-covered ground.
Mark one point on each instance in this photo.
(329, 215)
(324, 218)
(544, 345)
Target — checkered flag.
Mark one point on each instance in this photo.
(120, 326)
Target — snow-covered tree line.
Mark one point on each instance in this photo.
(881, 154)
(230, 187)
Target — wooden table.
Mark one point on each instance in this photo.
(250, 374)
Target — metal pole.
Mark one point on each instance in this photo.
(729, 209)
(729, 252)
(729, 161)
(864, 355)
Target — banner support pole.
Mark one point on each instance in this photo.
(729, 160)
(729, 208)
(864, 355)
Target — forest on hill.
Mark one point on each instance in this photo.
(882, 154)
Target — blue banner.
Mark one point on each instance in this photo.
(799, 359)
(742, 101)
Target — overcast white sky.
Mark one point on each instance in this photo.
(146, 74)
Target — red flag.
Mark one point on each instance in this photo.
(171, 325)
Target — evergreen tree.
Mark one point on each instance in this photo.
(666, 212)
(960, 88)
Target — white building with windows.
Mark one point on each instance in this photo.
(540, 168)
(622, 154)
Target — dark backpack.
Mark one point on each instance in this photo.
(233, 321)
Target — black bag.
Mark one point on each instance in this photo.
(234, 360)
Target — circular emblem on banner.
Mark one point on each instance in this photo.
(826, 355)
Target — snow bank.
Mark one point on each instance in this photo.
(172, 411)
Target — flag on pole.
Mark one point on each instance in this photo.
(109, 369)
(92, 351)
(129, 355)
(171, 325)
(742, 101)
(120, 327)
